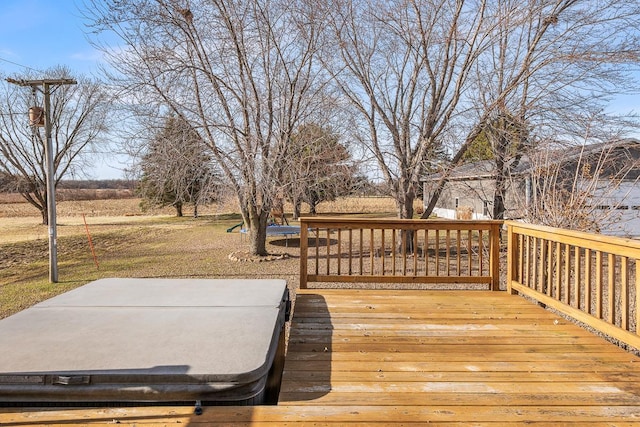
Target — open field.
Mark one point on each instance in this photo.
(131, 207)
(130, 243)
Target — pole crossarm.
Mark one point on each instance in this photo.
(23, 82)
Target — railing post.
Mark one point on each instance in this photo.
(494, 257)
(637, 283)
(304, 252)
(511, 252)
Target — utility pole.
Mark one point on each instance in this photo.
(45, 86)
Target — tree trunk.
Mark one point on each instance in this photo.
(405, 211)
(39, 201)
(406, 204)
(178, 207)
(313, 204)
(297, 207)
(195, 210)
(499, 138)
(45, 215)
(499, 195)
(258, 232)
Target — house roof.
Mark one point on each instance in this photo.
(485, 169)
(468, 171)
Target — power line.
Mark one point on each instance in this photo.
(20, 65)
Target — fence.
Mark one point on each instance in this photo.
(399, 251)
(589, 277)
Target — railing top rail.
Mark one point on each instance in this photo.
(384, 222)
(601, 242)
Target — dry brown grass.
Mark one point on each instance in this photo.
(143, 247)
(132, 243)
(131, 207)
(21, 221)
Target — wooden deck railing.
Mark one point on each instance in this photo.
(590, 277)
(399, 251)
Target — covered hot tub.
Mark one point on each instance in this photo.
(124, 340)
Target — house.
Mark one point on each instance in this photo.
(593, 187)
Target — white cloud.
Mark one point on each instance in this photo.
(88, 55)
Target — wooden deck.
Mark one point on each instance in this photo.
(364, 357)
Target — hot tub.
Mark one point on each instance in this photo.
(124, 340)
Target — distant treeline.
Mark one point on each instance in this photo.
(100, 189)
(98, 184)
(93, 194)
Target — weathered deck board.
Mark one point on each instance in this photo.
(478, 356)
(334, 415)
(363, 357)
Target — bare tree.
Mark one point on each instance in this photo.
(588, 188)
(550, 66)
(79, 116)
(403, 66)
(240, 72)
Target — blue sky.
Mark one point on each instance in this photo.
(40, 34)
(43, 33)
